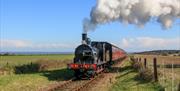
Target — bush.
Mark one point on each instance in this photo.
(6, 69)
(145, 75)
(164, 54)
(40, 65)
(28, 68)
(136, 64)
(45, 64)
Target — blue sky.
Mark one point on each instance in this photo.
(56, 25)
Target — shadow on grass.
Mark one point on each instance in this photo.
(154, 85)
(119, 69)
(125, 70)
(34, 68)
(60, 75)
(140, 80)
(129, 69)
(27, 68)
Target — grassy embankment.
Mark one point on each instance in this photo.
(35, 80)
(165, 71)
(127, 80)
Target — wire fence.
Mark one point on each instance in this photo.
(168, 70)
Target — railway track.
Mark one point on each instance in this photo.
(76, 85)
(53, 87)
(85, 86)
(73, 84)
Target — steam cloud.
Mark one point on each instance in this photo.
(137, 12)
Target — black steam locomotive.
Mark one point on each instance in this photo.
(92, 58)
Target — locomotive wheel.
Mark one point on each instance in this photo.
(93, 76)
(96, 74)
(77, 74)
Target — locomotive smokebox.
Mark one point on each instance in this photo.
(84, 38)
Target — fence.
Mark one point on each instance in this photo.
(166, 70)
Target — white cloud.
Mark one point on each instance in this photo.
(51, 45)
(129, 44)
(15, 45)
(150, 43)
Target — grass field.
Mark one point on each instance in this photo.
(127, 81)
(24, 59)
(33, 81)
(166, 75)
(160, 59)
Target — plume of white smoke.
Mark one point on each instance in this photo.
(137, 12)
(88, 25)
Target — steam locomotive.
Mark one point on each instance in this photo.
(93, 57)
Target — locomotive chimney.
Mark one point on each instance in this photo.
(84, 38)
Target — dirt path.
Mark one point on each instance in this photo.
(106, 82)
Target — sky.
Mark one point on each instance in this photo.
(56, 26)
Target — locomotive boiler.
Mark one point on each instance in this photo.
(93, 57)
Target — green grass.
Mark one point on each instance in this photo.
(24, 82)
(165, 77)
(36, 80)
(127, 81)
(25, 59)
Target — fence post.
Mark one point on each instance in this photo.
(155, 69)
(139, 59)
(136, 59)
(178, 87)
(7, 64)
(145, 63)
